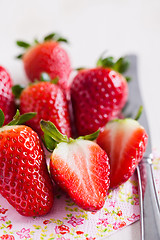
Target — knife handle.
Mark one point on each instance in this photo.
(149, 203)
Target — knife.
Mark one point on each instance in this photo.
(149, 203)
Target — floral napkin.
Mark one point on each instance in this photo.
(67, 221)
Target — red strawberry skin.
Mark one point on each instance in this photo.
(24, 178)
(81, 169)
(7, 104)
(47, 57)
(125, 143)
(97, 95)
(49, 101)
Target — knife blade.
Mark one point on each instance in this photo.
(149, 203)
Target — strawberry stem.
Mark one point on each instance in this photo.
(1, 118)
(16, 90)
(121, 65)
(20, 119)
(90, 137)
(44, 77)
(50, 130)
(139, 113)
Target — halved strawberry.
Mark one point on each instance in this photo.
(79, 166)
(124, 140)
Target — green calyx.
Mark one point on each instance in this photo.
(139, 113)
(121, 65)
(44, 77)
(17, 90)
(52, 136)
(17, 119)
(50, 37)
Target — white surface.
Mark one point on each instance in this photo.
(92, 26)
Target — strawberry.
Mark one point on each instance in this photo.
(7, 104)
(124, 141)
(98, 94)
(47, 56)
(24, 178)
(49, 101)
(79, 166)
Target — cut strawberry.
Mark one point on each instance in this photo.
(124, 141)
(78, 166)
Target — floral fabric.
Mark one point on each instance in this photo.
(67, 221)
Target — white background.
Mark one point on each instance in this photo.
(92, 26)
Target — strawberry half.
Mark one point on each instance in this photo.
(48, 57)
(24, 178)
(98, 94)
(79, 166)
(124, 140)
(7, 104)
(49, 102)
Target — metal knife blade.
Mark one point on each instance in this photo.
(135, 99)
(149, 203)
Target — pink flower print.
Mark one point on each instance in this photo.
(3, 210)
(135, 189)
(133, 217)
(7, 237)
(118, 225)
(75, 221)
(3, 218)
(9, 226)
(112, 204)
(104, 222)
(46, 222)
(63, 238)
(136, 201)
(62, 229)
(24, 233)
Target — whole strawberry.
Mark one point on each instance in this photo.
(98, 94)
(47, 56)
(7, 104)
(24, 178)
(124, 140)
(49, 102)
(79, 166)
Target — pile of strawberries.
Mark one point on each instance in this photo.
(78, 120)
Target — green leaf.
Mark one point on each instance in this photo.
(36, 41)
(19, 56)
(128, 79)
(15, 119)
(23, 44)
(49, 142)
(49, 36)
(55, 80)
(1, 118)
(16, 90)
(50, 129)
(20, 119)
(26, 117)
(90, 137)
(105, 62)
(121, 65)
(44, 77)
(139, 113)
(61, 39)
